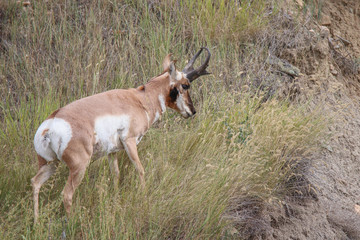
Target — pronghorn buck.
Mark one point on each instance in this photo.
(109, 122)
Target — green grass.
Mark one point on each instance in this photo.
(236, 146)
(314, 7)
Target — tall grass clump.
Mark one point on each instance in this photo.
(79, 48)
(238, 146)
(194, 168)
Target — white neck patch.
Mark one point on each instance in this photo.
(157, 116)
(162, 103)
(147, 117)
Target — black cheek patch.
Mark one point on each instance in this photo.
(173, 94)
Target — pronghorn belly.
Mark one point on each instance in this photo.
(52, 138)
(109, 131)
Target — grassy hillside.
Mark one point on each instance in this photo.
(238, 146)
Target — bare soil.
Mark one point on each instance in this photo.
(325, 203)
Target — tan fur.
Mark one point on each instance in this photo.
(142, 105)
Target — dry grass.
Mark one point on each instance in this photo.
(237, 146)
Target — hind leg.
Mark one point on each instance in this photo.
(74, 180)
(45, 171)
(77, 163)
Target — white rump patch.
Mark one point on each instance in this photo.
(162, 103)
(52, 138)
(110, 130)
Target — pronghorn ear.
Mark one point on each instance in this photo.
(172, 71)
(167, 61)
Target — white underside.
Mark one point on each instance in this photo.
(52, 143)
(162, 103)
(110, 131)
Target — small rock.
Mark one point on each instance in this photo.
(283, 66)
(324, 32)
(233, 231)
(357, 208)
(325, 20)
(329, 148)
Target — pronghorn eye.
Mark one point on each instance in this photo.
(185, 86)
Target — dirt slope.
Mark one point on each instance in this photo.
(336, 173)
(330, 70)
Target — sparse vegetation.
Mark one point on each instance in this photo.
(237, 146)
(314, 7)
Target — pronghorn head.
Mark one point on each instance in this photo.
(179, 98)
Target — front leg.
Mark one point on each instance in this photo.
(114, 168)
(131, 150)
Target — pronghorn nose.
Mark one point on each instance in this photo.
(194, 112)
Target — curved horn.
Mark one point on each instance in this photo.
(192, 73)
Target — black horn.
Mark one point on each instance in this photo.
(192, 73)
